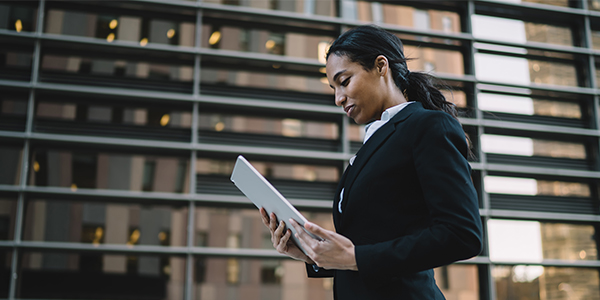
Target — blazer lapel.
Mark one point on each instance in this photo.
(371, 146)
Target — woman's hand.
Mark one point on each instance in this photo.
(282, 241)
(335, 251)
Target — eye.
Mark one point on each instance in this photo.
(346, 81)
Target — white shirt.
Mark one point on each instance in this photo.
(371, 128)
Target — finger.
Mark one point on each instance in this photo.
(283, 242)
(264, 216)
(273, 222)
(301, 234)
(319, 231)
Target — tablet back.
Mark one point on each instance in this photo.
(263, 194)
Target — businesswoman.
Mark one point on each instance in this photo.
(406, 203)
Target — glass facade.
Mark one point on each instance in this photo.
(120, 122)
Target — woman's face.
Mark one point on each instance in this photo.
(357, 90)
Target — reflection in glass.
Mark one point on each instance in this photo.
(262, 41)
(356, 133)
(254, 279)
(240, 228)
(272, 126)
(114, 119)
(13, 111)
(102, 170)
(524, 146)
(111, 27)
(545, 283)
(271, 170)
(8, 212)
(60, 275)
(10, 164)
(517, 31)
(407, 16)
(321, 7)
(105, 223)
(108, 69)
(15, 64)
(458, 281)
(433, 60)
(516, 70)
(532, 187)
(528, 106)
(276, 81)
(17, 17)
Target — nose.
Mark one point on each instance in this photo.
(340, 98)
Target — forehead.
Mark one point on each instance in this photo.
(336, 63)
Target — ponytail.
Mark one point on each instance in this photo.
(421, 88)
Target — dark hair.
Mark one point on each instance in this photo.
(364, 44)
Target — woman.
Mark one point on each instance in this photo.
(406, 203)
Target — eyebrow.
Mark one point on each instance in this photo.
(338, 74)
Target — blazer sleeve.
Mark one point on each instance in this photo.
(439, 149)
(314, 271)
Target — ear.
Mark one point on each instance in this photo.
(382, 65)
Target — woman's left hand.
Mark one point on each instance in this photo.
(335, 251)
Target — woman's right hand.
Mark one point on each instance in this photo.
(282, 241)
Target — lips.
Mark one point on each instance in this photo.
(348, 109)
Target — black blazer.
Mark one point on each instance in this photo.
(409, 205)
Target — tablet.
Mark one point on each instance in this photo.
(260, 191)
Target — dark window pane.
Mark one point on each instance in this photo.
(10, 164)
(18, 15)
(105, 223)
(241, 228)
(107, 170)
(60, 275)
(118, 119)
(242, 279)
(88, 22)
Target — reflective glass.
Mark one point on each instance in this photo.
(401, 15)
(255, 279)
(537, 283)
(13, 111)
(433, 60)
(517, 70)
(265, 80)
(525, 146)
(111, 27)
(532, 241)
(528, 106)
(18, 16)
(116, 72)
(288, 171)
(105, 223)
(109, 170)
(517, 31)
(8, 213)
(287, 127)
(293, 44)
(10, 163)
(93, 275)
(240, 228)
(107, 118)
(15, 62)
(294, 181)
(321, 7)
(458, 282)
(532, 187)
(5, 271)
(596, 38)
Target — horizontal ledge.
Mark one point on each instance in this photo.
(134, 143)
(542, 216)
(530, 127)
(199, 198)
(541, 171)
